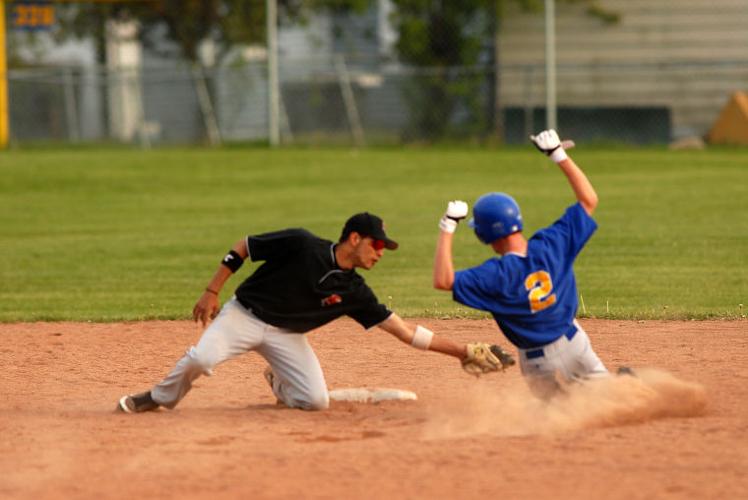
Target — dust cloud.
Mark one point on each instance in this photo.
(611, 401)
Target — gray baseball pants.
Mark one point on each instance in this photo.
(298, 380)
(570, 360)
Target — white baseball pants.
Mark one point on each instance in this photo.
(571, 360)
(298, 379)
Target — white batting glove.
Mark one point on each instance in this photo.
(456, 211)
(549, 144)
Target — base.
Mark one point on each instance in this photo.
(364, 395)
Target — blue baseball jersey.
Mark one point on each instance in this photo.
(533, 298)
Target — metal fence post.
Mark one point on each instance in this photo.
(349, 101)
(272, 57)
(550, 64)
(71, 105)
(206, 105)
(529, 108)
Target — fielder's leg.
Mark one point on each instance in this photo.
(297, 379)
(233, 332)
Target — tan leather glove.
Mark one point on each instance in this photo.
(482, 358)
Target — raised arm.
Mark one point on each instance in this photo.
(444, 274)
(207, 306)
(548, 143)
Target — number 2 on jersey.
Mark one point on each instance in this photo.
(540, 286)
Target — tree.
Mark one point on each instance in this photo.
(453, 41)
(446, 38)
(457, 42)
(178, 28)
(188, 23)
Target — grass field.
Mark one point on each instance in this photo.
(107, 235)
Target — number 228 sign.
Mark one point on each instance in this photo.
(32, 15)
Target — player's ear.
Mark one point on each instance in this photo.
(354, 238)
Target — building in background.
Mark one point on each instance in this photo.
(683, 58)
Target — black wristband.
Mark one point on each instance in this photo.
(233, 261)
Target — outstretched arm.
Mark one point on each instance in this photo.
(207, 306)
(410, 334)
(476, 359)
(548, 143)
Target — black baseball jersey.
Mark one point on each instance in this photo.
(300, 286)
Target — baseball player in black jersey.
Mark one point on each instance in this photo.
(303, 283)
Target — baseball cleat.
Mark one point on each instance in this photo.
(137, 403)
(270, 379)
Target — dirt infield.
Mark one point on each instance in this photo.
(678, 431)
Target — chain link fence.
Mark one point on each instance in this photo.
(656, 76)
(334, 101)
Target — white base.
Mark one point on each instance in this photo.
(364, 395)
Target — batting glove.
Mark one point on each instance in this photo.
(549, 144)
(456, 211)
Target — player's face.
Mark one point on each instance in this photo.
(367, 252)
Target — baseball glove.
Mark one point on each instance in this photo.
(481, 358)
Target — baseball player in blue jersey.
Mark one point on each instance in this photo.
(531, 290)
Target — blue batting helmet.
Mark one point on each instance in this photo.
(495, 215)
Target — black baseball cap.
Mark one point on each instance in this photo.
(367, 224)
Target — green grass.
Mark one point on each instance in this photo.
(115, 234)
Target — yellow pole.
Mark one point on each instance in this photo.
(3, 81)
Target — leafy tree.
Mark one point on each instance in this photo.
(445, 37)
(189, 22)
(454, 40)
(457, 42)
